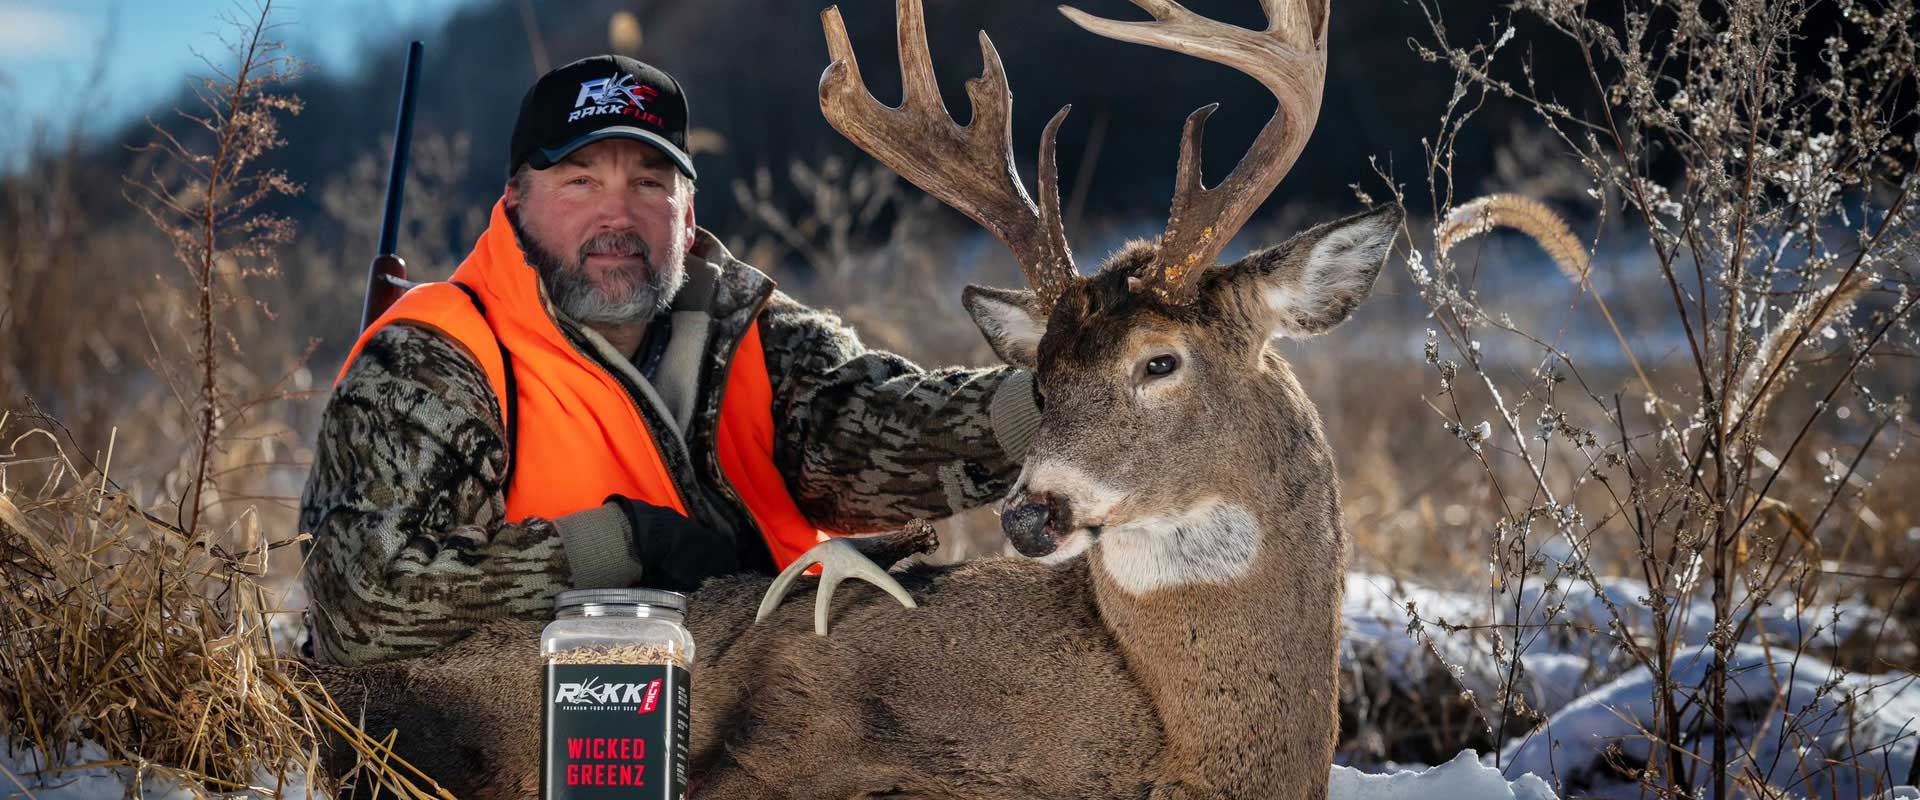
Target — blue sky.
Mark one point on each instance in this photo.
(48, 48)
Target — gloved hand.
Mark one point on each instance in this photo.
(675, 553)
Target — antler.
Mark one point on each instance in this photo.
(970, 168)
(1290, 59)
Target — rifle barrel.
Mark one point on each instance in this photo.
(402, 144)
(387, 275)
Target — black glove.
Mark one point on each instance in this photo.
(675, 553)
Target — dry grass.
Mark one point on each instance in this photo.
(1481, 215)
(160, 645)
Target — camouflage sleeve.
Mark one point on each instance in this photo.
(405, 505)
(867, 440)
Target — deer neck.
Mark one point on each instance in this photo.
(1229, 614)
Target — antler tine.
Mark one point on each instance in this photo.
(1054, 278)
(970, 168)
(1290, 59)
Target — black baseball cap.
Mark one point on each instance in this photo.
(602, 97)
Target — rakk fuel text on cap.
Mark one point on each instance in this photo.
(601, 97)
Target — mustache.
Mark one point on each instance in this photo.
(616, 243)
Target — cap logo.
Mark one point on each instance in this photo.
(618, 94)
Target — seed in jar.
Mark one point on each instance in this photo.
(620, 654)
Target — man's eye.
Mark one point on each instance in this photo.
(580, 181)
(1162, 365)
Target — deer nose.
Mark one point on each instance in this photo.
(1035, 526)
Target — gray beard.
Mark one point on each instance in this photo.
(630, 296)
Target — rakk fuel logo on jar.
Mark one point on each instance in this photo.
(592, 694)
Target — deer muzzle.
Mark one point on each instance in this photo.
(1037, 524)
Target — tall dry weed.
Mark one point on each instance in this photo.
(204, 195)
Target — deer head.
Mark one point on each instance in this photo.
(1158, 387)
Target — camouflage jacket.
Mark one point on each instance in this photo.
(405, 503)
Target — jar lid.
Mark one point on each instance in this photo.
(642, 597)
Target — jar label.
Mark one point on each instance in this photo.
(615, 730)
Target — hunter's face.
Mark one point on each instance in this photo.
(606, 228)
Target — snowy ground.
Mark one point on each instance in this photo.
(1793, 713)
(21, 777)
(1463, 777)
(1815, 730)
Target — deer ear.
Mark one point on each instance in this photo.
(1313, 281)
(1012, 327)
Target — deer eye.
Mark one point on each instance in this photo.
(1162, 365)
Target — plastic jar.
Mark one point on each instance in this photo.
(617, 695)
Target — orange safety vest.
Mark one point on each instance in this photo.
(578, 437)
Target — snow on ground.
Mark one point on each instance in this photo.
(1812, 730)
(1575, 653)
(1824, 625)
(1794, 711)
(1377, 640)
(1464, 777)
(21, 778)
(1376, 616)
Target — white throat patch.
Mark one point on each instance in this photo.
(1068, 549)
(1215, 542)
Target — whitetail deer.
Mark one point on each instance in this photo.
(1192, 652)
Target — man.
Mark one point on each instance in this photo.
(603, 396)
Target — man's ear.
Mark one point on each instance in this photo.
(693, 231)
(1313, 281)
(1012, 325)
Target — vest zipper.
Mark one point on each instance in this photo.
(679, 452)
(673, 451)
(711, 437)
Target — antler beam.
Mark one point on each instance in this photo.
(969, 168)
(1290, 59)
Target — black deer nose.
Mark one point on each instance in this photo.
(1035, 526)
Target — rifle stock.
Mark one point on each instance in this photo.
(386, 281)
